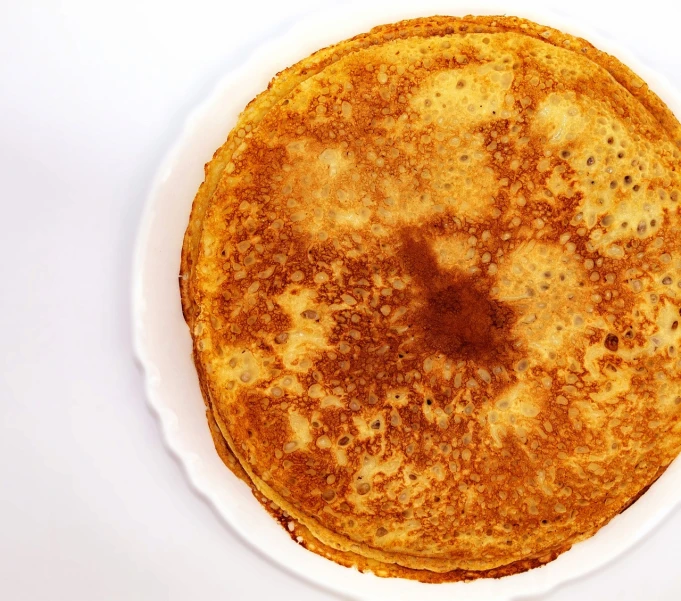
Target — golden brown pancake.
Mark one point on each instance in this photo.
(433, 284)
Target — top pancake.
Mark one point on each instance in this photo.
(437, 298)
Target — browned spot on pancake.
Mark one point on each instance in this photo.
(456, 315)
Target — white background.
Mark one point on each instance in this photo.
(92, 95)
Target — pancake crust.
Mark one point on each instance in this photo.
(434, 296)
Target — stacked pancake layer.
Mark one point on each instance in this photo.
(433, 280)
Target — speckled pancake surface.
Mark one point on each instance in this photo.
(435, 295)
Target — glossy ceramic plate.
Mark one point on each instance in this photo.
(163, 343)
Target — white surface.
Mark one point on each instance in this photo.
(91, 504)
(163, 344)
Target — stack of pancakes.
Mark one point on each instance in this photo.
(433, 282)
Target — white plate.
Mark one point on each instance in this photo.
(163, 343)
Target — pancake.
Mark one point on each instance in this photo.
(434, 296)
